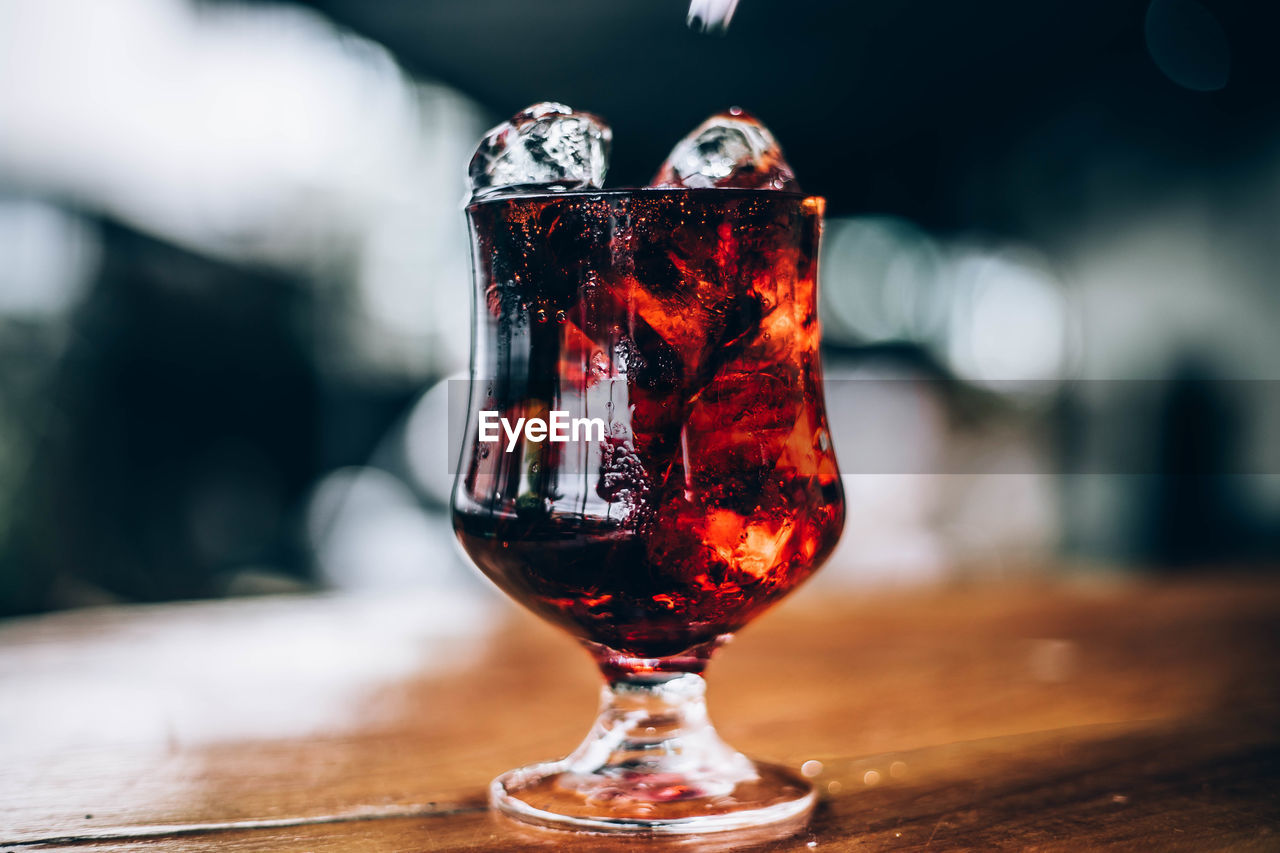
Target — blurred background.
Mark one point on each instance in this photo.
(234, 274)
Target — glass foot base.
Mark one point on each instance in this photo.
(618, 800)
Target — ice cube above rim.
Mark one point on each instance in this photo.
(546, 147)
(732, 149)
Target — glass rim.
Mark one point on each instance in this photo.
(623, 192)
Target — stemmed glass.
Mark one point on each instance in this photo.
(682, 480)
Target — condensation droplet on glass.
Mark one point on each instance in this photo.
(561, 316)
(541, 315)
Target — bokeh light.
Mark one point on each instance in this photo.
(1008, 319)
(880, 281)
(1188, 45)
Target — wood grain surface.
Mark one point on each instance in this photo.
(1066, 716)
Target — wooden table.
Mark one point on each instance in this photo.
(1071, 716)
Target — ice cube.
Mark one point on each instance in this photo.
(731, 149)
(711, 16)
(546, 147)
(687, 284)
(580, 358)
(743, 419)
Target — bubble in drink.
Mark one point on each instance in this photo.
(732, 149)
(545, 147)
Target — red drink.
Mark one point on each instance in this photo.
(686, 320)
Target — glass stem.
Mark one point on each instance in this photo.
(654, 741)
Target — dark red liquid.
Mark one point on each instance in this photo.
(686, 319)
